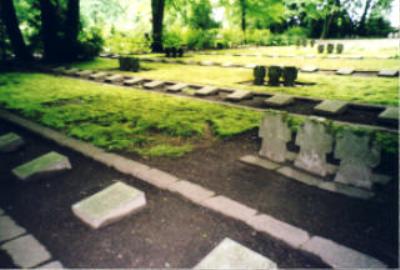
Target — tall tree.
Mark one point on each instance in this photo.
(157, 10)
(72, 28)
(49, 30)
(10, 20)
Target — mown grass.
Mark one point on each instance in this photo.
(349, 88)
(114, 118)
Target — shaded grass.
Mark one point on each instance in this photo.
(114, 118)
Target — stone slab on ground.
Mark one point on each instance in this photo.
(331, 107)
(84, 73)
(230, 208)
(345, 71)
(340, 257)
(26, 251)
(346, 190)
(109, 205)
(193, 192)
(355, 57)
(207, 63)
(232, 255)
(388, 73)
(52, 265)
(279, 100)
(9, 229)
(287, 233)
(389, 114)
(59, 70)
(98, 76)
(133, 81)
(260, 162)
(114, 78)
(206, 91)
(158, 178)
(153, 84)
(250, 66)
(48, 163)
(177, 87)
(300, 176)
(228, 64)
(71, 71)
(239, 95)
(10, 142)
(309, 69)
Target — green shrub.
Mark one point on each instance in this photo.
(127, 43)
(90, 43)
(201, 39)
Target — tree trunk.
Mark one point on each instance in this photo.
(72, 29)
(52, 44)
(361, 26)
(157, 8)
(10, 20)
(243, 8)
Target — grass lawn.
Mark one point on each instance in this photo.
(150, 124)
(356, 89)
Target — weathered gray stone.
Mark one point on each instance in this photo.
(10, 142)
(9, 229)
(158, 178)
(275, 134)
(206, 63)
(60, 70)
(228, 64)
(331, 107)
(340, 257)
(177, 87)
(109, 205)
(345, 71)
(279, 100)
(193, 192)
(300, 176)
(229, 208)
(315, 143)
(71, 71)
(26, 251)
(84, 73)
(206, 91)
(153, 84)
(355, 57)
(41, 166)
(239, 95)
(52, 265)
(357, 159)
(259, 162)
(346, 190)
(232, 255)
(389, 114)
(388, 73)
(287, 233)
(309, 69)
(114, 78)
(133, 81)
(98, 76)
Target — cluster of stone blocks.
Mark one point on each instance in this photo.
(275, 73)
(330, 48)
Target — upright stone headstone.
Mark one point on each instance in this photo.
(358, 158)
(321, 48)
(259, 75)
(315, 143)
(274, 74)
(330, 48)
(289, 76)
(275, 134)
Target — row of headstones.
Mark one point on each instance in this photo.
(357, 154)
(330, 48)
(305, 42)
(174, 52)
(275, 73)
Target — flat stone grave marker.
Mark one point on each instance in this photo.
(310, 56)
(232, 255)
(133, 81)
(114, 78)
(275, 134)
(333, 57)
(250, 66)
(71, 71)
(9, 229)
(345, 71)
(26, 251)
(356, 57)
(52, 265)
(309, 69)
(153, 84)
(239, 95)
(109, 205)
(49, 163)
(357, 158)
(331, 107)
(388, 73)
(389, 114)
(279, 100)
(207, 63)
(59, 70)
(84, 73)
(259, 162)
(98, 76)
(315, 143)
(10, 142)
(206, 91)
(177, 87)
(229, 64)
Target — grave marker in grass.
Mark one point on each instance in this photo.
(289, 76)
(10, 142)
(274, 74)
(259, 75)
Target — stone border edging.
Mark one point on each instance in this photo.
(330, 252)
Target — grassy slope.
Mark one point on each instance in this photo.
(111, 117)
(357, 89)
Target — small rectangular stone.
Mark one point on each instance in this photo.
(239, 95)
(259, 162)
(10, 142)
(207, 63)
(331, 107)
(340, 257)
(355, 57)
(309, 69)
(158, 178)
(98, 76)
(114, 78)
(9, 229)
(389, 114)
(230, 208)
(193, 192)
(133, 81)
(71, 71)
(229, 64)
(300, 176)
(59, 70)
(84, 73)
(206, 91)
(388, 73)
(177, 87)
(250, 66)
(287, 233)
(345, 71)
(52, 265)
(48, 163)
(109, 205)
(279, 100)
(232, 255)
(346, 190)
(26, 251)
(153, 84)
(310, 56)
